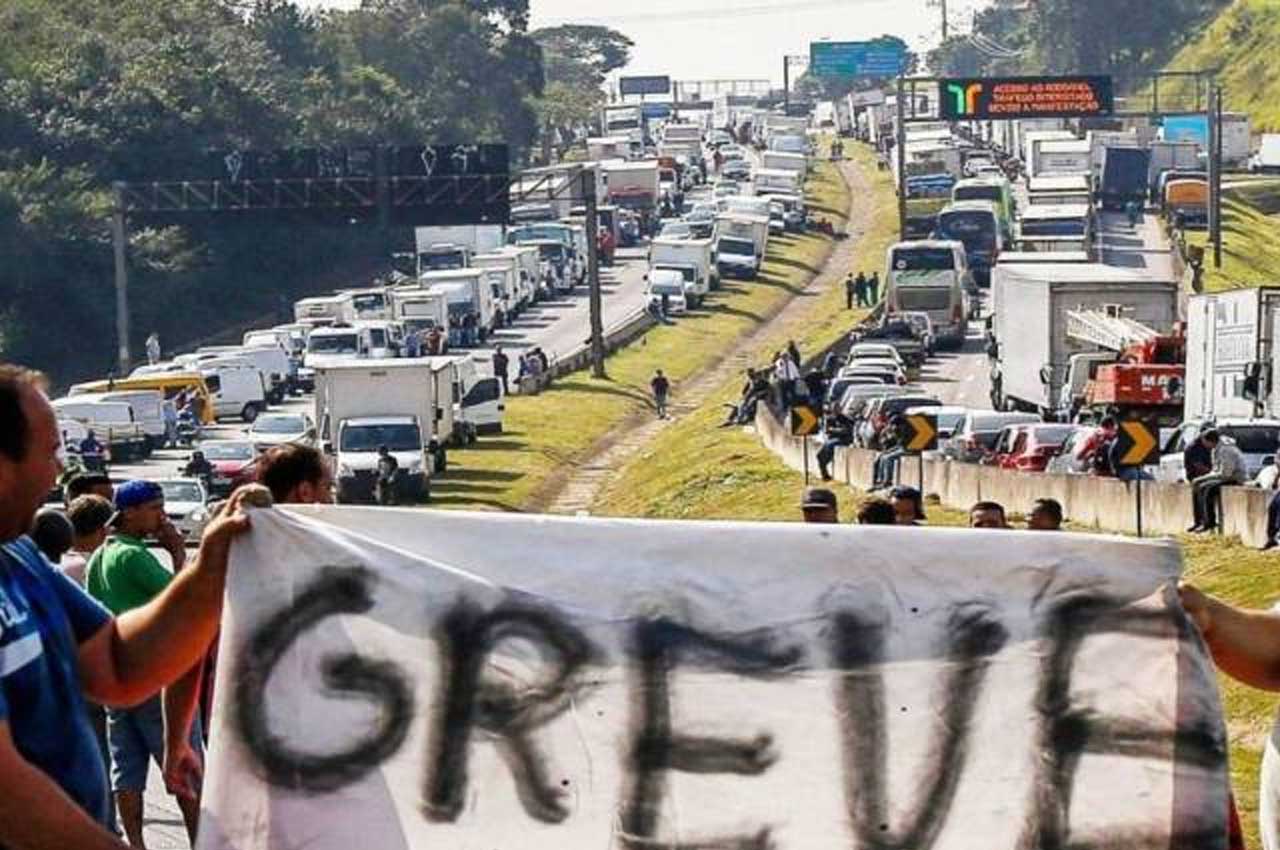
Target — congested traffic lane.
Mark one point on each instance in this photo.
(559, 326)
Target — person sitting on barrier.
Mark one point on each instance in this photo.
(1045, 515)
(837, 431)
(893, 439)
(1206, 490)
(876, 512)
(908, 506)
(987, 515)
(819, 505)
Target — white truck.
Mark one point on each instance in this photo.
(1233, 362)
(319, 309)
(279, 372)
(112, 423)
(421, 310)
(474, 395)
(608, 147)
(1267, 159)
(1030, 304)
(362, 405)
(367, 304)
(1061, 158)
(781, 161)
(633, 186)
(693, 258)
(521, 264)
(777, 181)
(741, 243)
(469, 294)
(1166, 156)
(336, 343)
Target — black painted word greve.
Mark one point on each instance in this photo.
(467, 635)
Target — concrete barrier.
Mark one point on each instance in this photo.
(1102, 503)
(619, 336)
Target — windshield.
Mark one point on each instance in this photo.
(1054, 227)
(671, 231)
(736, 246)
(977, 230)
(181, 491)
(689, 273)
(279, 425)
(1053, 435)
(1254, 440)
(441, 261)
(335, 344)
(368, 303)
(377, 338)
(979, 193)
(552, 253)
(537, 231)
(367, 438)
(260, 340)
(227, 451)
(923, 260)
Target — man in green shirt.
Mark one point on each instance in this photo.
(124, 575)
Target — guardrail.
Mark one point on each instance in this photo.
(619, 336)
(1101, 503)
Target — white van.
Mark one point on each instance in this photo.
(148, 412)
(334, 344)
(278, 371)
(386, 338)
(111, 421)
(237, 391)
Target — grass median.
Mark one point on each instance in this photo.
(696, 469)
(546, 436)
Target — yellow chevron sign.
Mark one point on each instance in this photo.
(804, 421)
(925, 433)
(1138, 444)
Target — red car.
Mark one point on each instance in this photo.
(1029, 448)
(234, 462)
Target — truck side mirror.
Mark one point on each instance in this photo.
(1046, 375)
(327, 447)
(1252, 387)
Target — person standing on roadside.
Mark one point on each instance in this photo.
(153, 348)
(860, 289)
(873, 289)
(661, 387)
(54, 792)
(500, 366)
(123, 575)
(850, 291)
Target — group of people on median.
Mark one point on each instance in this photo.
(860, 290)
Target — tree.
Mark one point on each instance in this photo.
(576, 60)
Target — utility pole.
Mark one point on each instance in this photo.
(1217, 179)
(119, 239)
(588, 177)
(786, 84)
(943, 3)
(901, 154)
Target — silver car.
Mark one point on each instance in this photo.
(184, 504)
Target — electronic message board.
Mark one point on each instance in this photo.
(1007, 98)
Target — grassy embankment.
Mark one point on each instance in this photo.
(709, 472)
(548, 434)
(724, 473)
(1250, 238)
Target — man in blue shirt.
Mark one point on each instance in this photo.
(57, 646)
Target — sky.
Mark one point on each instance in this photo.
(740, 39)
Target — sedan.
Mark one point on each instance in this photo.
(276, 429)
(184, 504)
(736, 170)
(235, 462)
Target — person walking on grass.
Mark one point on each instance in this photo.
(661, 388)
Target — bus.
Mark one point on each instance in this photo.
(977, 225)
(993, 189)
(933, 277)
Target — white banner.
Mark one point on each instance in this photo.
(395, 679)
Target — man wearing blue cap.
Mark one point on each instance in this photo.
(58, 646)
(124, 575)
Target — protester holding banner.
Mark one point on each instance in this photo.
(60, 645)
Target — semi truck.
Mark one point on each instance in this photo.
(1031, 302)
(1232, 354)
(1124, 177)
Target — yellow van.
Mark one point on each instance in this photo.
(171, 385)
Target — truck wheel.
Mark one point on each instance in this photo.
(250, 412)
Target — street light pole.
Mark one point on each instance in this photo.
(786, 84)
(588, 177)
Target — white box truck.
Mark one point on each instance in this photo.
(777, 181)
(362, 405)
(1233, 362)
(421, 310)
(741, 243)
(1030, 306)
(780, 161)
(523, 264)
(319, 309)
(444, 247)
(693, 258)
(468, 293)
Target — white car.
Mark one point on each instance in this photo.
(184, 504)
(276, 429)
(877, 350)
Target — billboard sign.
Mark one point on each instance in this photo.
(1187, 128)
(857, 58)
(1007, 98)
(644, 85)
(655, 110)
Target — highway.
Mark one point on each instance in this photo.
(559, 326)
(963, 377)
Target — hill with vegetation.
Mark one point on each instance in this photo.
(1243, 41)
